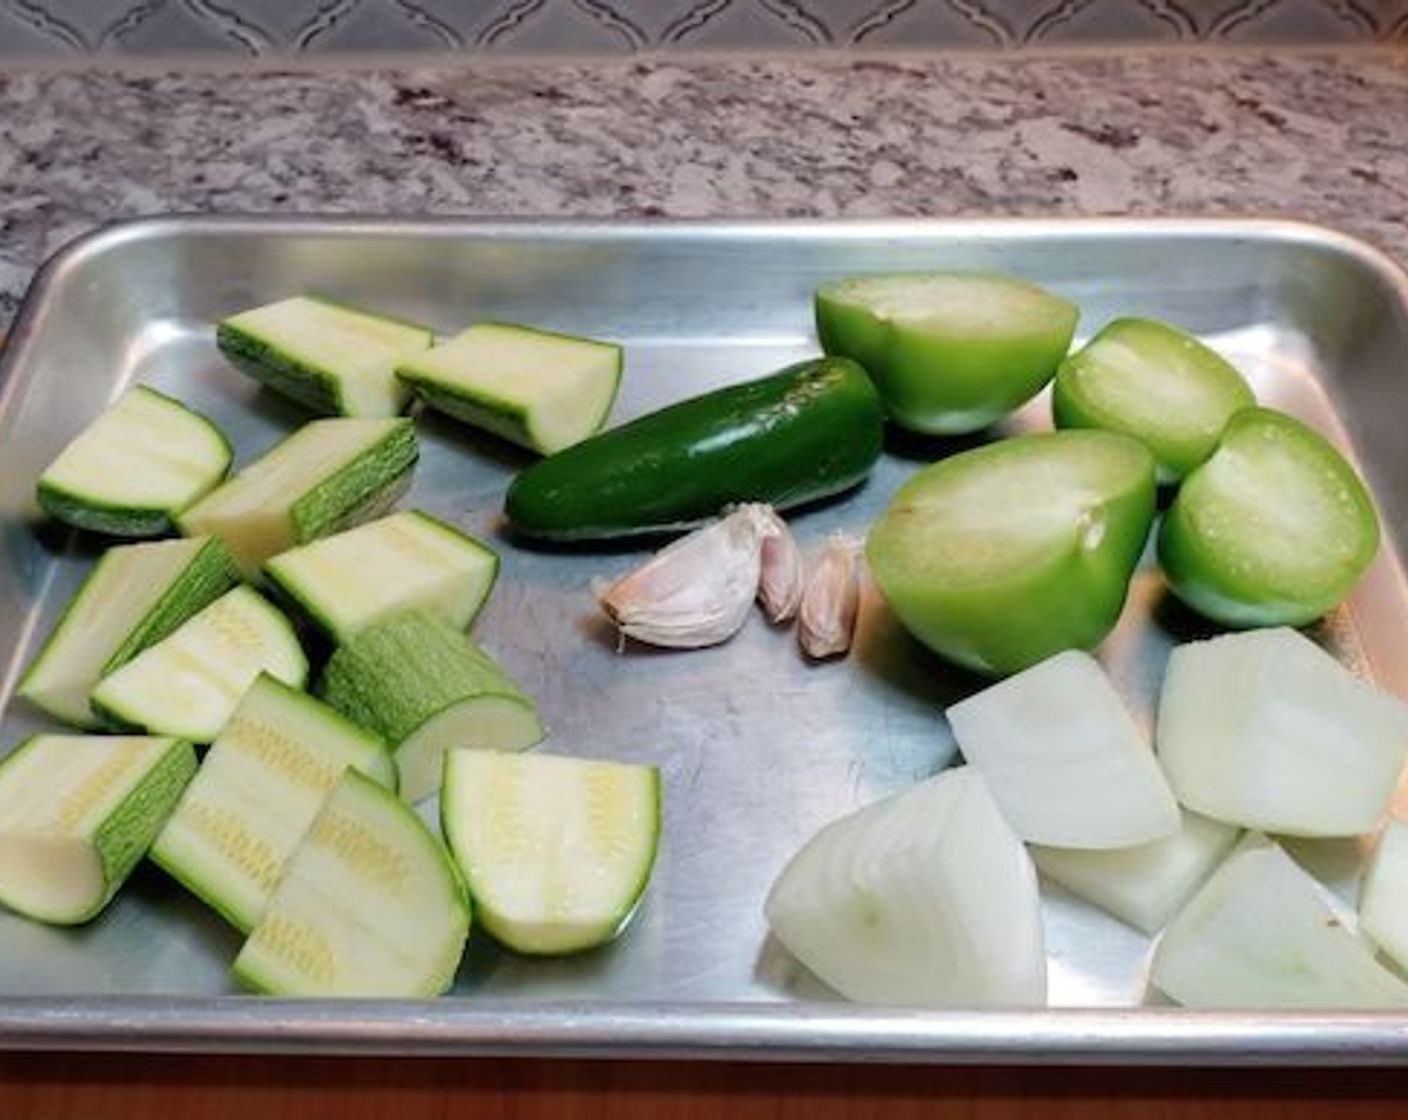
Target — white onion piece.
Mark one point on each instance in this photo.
(1145, 884)
(1383, 898)
(1064, 759)
(1261, 935)
(926, 898)
(1267, 730)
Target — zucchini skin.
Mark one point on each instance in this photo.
(806, 432)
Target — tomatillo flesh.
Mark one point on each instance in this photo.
(999, 557)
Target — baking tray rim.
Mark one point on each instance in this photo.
(762, 1031)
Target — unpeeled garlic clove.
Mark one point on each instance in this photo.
(697, 590)
(826, 620)
(782, 578)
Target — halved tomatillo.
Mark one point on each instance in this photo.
(1155, 382)
(1273, 530)
(950, 352)
(998, 557)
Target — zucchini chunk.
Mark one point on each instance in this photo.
(334, 359)
(426, 687)
(77, 813)
(327, 476)
(132, 470)
(259, 788)
(542, 390)
(135, 595)
(556, 851)
(189, 683)
(350, 580)
(370, 905)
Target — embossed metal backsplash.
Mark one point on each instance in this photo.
(46, 28)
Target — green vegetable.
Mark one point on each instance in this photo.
(809, 431)
(369, 905)
(426, 687)
(1001, 556)
(408, 560)
(135, 595)
(77, 813)
(336, 360)
(1156, 383)
(188, 683)
(132, 470)
(541, 390)
(949, 351)
(327, 476)
(1274, 529)
(259, 787)
(556, 851)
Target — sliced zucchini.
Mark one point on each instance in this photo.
(426, 687)
(556, 851)
(327, 476)
(135, 595)
(258, 790)
(337, 360)
(77, 813)
(358, 577)
(370, 905)
(188, 683)
(132, 470)
(542, 390)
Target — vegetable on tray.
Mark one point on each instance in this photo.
(189, 683)
(137, 466)
(556, 851)
(541, 390)
(807, 432)
(327, 476)
(1265, 729)
(134, 596)
(258, 788)
(404, 561)
(370, 905)
(426, 687)
(1146, 884)
(1155, 382)
(926, 897)
(1383, 897)
(1001, 556)
(1260, 934)
(77, 813)
(332, 358)
(949, 351)
(1273, 530)
(1063, 757)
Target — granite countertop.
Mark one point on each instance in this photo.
(1322, 136)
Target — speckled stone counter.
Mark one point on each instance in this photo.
(1322, 136)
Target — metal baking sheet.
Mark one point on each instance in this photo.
(757, 747)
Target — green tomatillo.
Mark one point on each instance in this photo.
(999, 557)
(1273, 530)
(950, 352)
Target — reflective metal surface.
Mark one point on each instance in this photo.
(757, 747)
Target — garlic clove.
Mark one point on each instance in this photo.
(697, 590)
(782, 580)
(826, 620)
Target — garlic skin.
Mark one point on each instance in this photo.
(697, 590)
(783, 579)
(826, 620)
